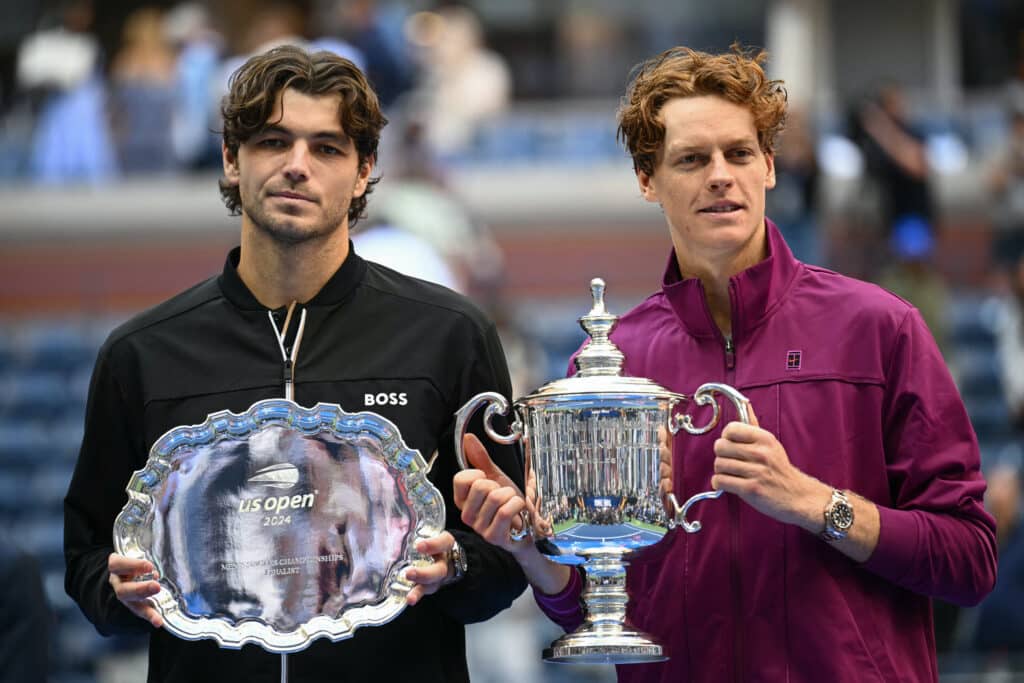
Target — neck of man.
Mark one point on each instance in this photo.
(714, 271)
(279, 273)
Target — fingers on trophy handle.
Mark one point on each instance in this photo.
(527, 529)
(496, 405)
(704, 396)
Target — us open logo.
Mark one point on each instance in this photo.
(282, 476)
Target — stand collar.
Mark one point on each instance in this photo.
(337, 288)
(754, 293)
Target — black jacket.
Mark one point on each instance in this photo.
(371, 331)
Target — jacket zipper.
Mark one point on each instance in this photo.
(730, 354)
(732, 501)
(289, 388)
(734, 518)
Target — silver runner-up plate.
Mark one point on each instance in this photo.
(280, 525)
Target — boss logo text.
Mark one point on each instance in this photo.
(386, 399)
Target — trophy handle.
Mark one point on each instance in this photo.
(705, 395)
(496, 405)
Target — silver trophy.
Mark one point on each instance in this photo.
(280, 525)
(591, 443)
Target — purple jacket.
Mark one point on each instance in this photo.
(849, 379)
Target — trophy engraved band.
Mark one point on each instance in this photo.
(281, 524)
(592, 443)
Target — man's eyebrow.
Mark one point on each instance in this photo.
(330, 135)
(696, 146)
(746, 140)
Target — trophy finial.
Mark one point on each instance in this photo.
(600, 356)
(597, 290)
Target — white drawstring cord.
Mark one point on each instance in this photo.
(289, 378)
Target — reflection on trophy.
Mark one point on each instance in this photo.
(591, 443)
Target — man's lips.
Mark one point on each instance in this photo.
(722, 207)
(291, 195)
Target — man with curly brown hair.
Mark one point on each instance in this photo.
(300, 144)
(854, 496)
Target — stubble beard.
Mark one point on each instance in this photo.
(290, 232)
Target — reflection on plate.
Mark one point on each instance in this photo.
(280, 525)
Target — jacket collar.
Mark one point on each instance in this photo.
(755, 292)
(337, 289)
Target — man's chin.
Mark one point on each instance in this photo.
(290, 234)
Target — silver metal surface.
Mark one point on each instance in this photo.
(280, 525)
(591, 442)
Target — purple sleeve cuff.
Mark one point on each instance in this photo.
(563, 607)
(898, 542)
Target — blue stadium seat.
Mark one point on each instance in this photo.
(58, 345)
(34, 395)
(49, 485)
(22, 442)
(978, 371)
(990, 418)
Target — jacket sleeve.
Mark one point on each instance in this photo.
(936, 537)
(96, 495)
(493, 578)
(565, 608)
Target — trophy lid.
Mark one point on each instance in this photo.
(599, 364)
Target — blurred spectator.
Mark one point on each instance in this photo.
(793, 202)
(198, 50)
(59, 67)
(896, 158)
(417, 200)
(405, 252)
(1000, 624)
(377, 34)
(25, 617)
(271, 25)
(592, 45)
(142, 94)
(1015, 87)
(912, 275)
(464, 83)
(1006, 182)
(1010, 344)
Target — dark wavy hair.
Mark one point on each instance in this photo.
(736, 76)
(255, 87)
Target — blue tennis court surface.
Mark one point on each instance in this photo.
(626, 533)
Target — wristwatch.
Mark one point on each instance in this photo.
(838, 517)
(457, 564)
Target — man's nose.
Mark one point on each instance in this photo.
(296, 165)
(720, 175)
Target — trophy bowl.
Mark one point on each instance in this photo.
(591, 443)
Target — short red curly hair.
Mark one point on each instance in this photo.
(736, 76)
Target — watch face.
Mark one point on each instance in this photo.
(841, 515)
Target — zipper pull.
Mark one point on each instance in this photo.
(289, 391)
(730, 354)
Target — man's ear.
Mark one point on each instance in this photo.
(769, 181)
(363, 179)
(230, 164)
(647, 186)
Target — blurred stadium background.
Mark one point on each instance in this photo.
(502, 178)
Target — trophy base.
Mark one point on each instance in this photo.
(594, 647)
